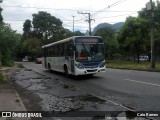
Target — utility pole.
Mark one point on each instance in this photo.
(73, 23)
(150, 8)
(152, 37)
(89, 20)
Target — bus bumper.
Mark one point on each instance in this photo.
(89, 71)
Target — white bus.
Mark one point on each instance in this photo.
(78, 55)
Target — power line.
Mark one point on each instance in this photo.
(115, 16)
(78, 21)
(82, 18)
(109, 6)
(27, 7)
(103, 10)
(117, 3)
(37, 8)
(74, 26)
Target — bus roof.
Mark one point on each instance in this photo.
(69, 39)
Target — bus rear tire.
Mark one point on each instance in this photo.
(66, 71)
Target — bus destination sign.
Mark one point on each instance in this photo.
(87, 40)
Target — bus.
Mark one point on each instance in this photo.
(78, 55)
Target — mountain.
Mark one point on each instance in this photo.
(115, 26)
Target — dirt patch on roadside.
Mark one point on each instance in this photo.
(7, 71)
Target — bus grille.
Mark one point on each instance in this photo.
(92, 70)
(91, 67)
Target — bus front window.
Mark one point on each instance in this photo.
(89, 52)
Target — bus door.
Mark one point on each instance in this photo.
(70, 58)
(45, 57)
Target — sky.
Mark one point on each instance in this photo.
(15, 12)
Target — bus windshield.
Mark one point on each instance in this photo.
(89, 52)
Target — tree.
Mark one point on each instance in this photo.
(78, 33)
(147, 15)
(32, 47)
(46, 25)
(67, 33)
(1, 18)
(108, 35)
(134, 36)
(8, 42)
(27, 28)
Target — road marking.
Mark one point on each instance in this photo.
(143, 82)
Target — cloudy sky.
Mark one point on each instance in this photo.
(15, 12)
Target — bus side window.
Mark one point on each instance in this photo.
(61, 49)
(51, 51)
(56, 50)
(70, 48)
(46, 52)
(65, 49)
(42, 52)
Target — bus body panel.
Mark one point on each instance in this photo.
(57, 63)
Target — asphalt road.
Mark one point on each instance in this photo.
(136, 90)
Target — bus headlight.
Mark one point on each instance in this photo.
(102, 64)
(80, 66)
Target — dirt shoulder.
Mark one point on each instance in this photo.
(10, 99)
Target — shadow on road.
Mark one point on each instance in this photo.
(72, 77)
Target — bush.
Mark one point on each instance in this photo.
(7, 59)
(1, 78)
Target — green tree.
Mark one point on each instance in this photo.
(147, 15)
(9, 40)
(46, 25)
(32, 47)
(27, 29)
(78, 33)
(1, 18)
(134, 37)
(67, 33)
(111, 44)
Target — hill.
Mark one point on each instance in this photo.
(115, 26)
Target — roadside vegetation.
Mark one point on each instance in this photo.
(131, 65)
(1, 78)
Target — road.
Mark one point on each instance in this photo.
(129, 89)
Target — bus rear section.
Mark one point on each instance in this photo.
(78, 55)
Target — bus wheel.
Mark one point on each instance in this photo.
(66, 71)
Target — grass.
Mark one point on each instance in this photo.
(143, 65)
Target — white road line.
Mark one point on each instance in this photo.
(143, 82)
